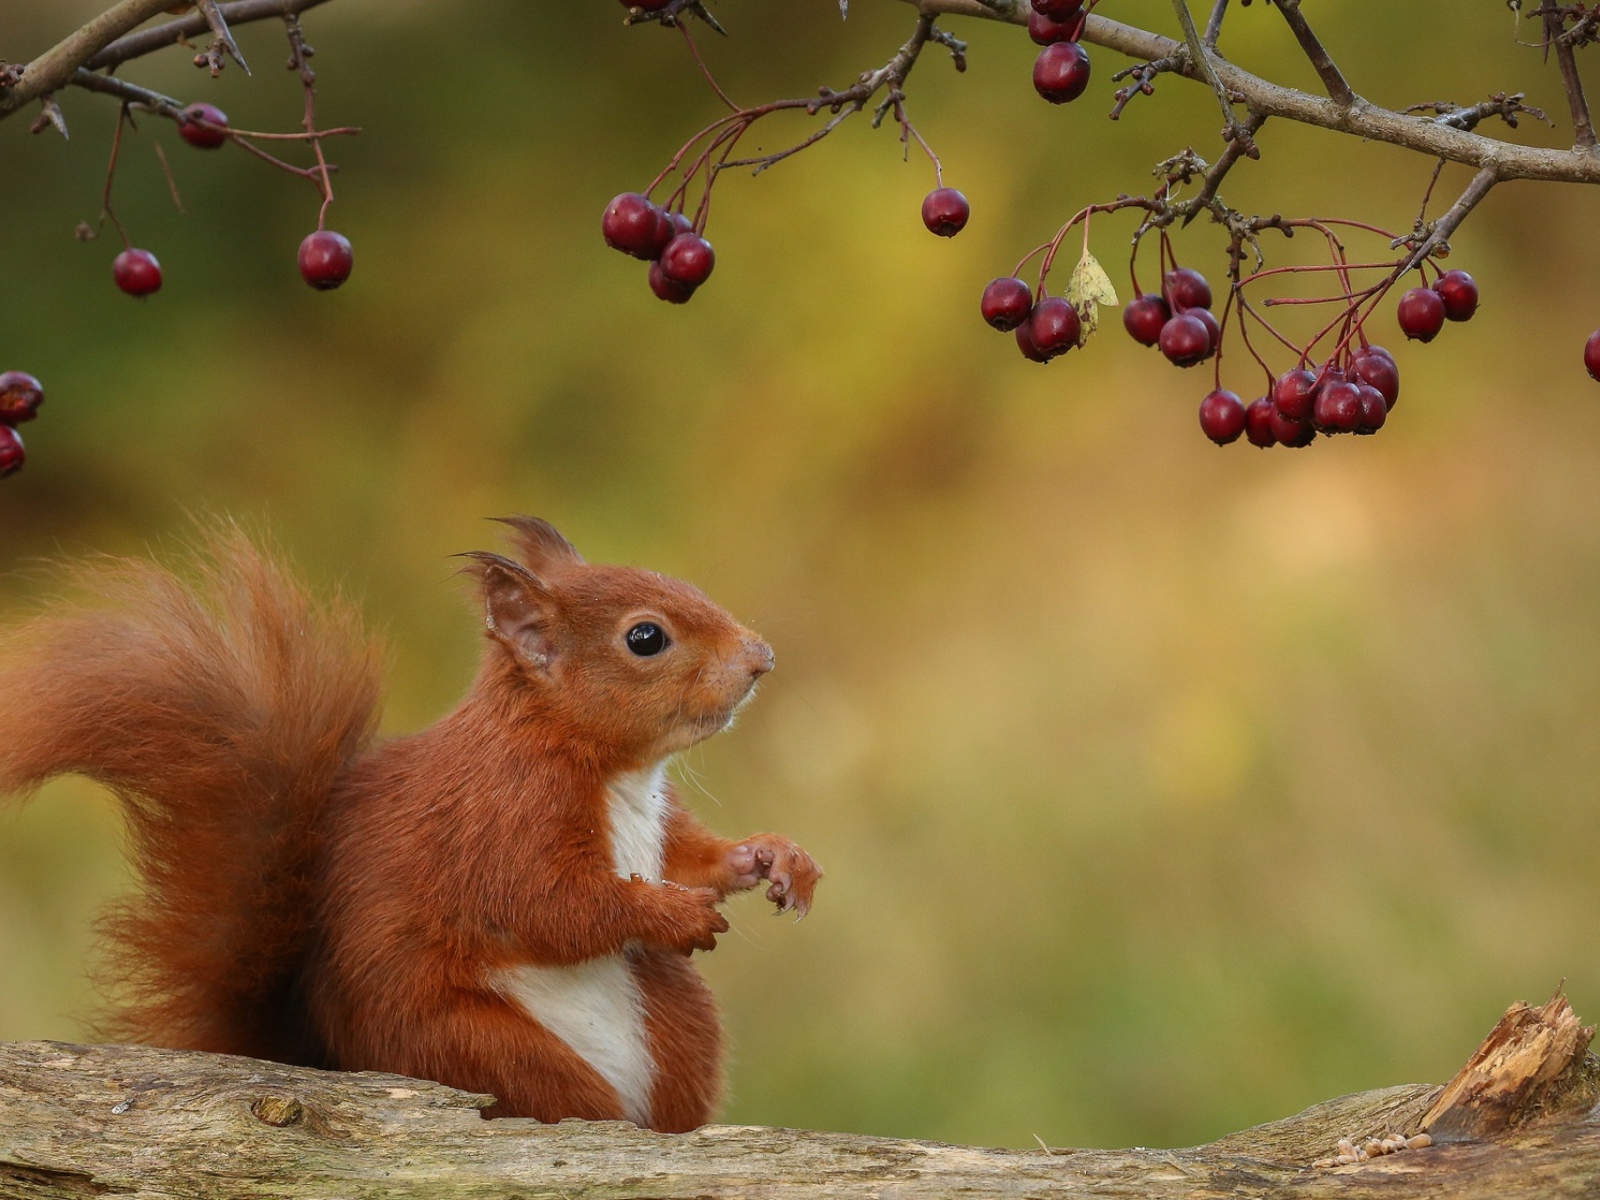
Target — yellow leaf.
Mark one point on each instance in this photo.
(1089, 288)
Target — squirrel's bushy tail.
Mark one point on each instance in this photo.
(220, 711)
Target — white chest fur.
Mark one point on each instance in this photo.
(595, 1006)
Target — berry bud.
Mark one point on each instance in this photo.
(688, 259)
(1185, 340)
(1006, 303)
(1143, 318)
(1421, 314)
(12, 454)
(325, 259)
(632, 224)
(1025, 344)
(1061, 72)
(137, 272)
(203, 136)
(1338, 407)
(1187, 289)
(1374, 366)
(1054, 326)
(667, 288)
(20, 397)
(945, 211)
(1291, 433)
(1258, 422)
(1047, 31)
(1293, 394)
(1459, 293)
(1222, 417)
(1374, 409)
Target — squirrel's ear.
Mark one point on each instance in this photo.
(541, 549)
(518, 610)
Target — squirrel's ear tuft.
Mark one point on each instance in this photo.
(540, 547)
(518, 611)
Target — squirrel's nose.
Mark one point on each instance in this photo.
(758, 656)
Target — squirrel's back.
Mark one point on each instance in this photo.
(220, 705)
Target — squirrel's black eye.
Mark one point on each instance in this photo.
(645, 639)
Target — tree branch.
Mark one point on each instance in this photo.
(1360, 118)
(178, 1125)
(53, 69)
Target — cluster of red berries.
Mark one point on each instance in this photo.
(1178, 320)
(1423, 311)
(1061, 72)
(20, 398)
(1354, 397)
(325, 257)
(680, 259)
(1044, 330)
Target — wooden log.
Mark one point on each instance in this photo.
(152, 1124)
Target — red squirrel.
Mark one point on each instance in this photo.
(505, 902)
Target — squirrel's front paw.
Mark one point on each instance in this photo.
(695, 921)
(792, 872)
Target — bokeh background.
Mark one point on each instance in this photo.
(1162, 789)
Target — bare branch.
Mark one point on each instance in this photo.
(110, 85)
(1198, 54)
(1338, 90)
(1359, 118)
(239, 12)
(1214, 24)
(53, 69)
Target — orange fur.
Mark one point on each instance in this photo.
(313, 898)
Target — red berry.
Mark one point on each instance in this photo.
(688, 259)
(137, 272)
(12, 454)
(667, 288)
(1025, 344)
(1421, 314)
(1293, 394)
(1054, 326)
(1258, 422)
(1374, 366)
(1222, 417)
(204, 136)
(945, 211)
(325, 259)
(1061, 72)
(1591, 355)
(1047, 31)
(20, 397)
(1185, 340)
(1203, 315)
(1144, 317)
(632, 224)
(1338, 407)
(1291, 433)
(1188, 289)
(1374, 409)
(1060, 10)
(1006, 303)
(1459, 293)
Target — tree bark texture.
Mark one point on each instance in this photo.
(131, 1121)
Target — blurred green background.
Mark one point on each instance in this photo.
(1162, 789)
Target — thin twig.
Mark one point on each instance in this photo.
(1202, 58)
(221, 42)
(1214, 29)
(1338, 90)
(159, 37)
(1582, 125)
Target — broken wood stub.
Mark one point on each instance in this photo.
(1535, 1064)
